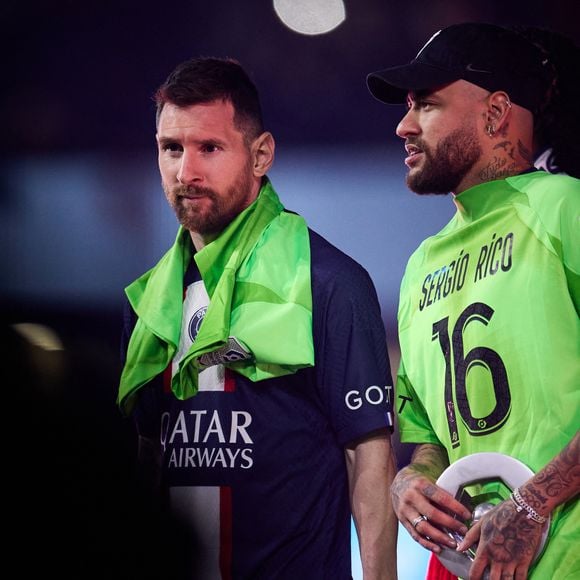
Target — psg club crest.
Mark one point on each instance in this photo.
(195, 322)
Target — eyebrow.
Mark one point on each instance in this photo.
(165, 140)
(200, 142)
(421, 94)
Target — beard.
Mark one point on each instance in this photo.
(214, 211)
(446, 167)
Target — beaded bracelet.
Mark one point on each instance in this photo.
(520, 504)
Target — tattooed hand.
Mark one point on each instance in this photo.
(507, 543)
(509, 539)
(415, 494)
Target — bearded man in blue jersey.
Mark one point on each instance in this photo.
(256, 359)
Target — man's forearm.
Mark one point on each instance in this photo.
(424, 509)
(557, 482)
(371, 469)
(429, 460)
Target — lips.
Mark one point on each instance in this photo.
(193, 193)
(191, 196)
(413, 154)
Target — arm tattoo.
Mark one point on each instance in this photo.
(556, 482)
(427, 461)
(430, 460)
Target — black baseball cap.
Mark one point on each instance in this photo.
(489, 56)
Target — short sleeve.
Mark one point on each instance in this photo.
(351, 356)
(413, 421)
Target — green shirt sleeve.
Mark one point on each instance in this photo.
(414, 424)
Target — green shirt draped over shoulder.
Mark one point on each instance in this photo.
(259, 321)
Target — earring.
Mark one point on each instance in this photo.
(490, 129)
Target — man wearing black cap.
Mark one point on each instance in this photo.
(488, 314)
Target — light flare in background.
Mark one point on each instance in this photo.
(310, 16)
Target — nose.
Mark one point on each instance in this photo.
(189, 169)
(408, 125)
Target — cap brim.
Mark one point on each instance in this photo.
(391, 85)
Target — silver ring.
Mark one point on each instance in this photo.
(418, 519)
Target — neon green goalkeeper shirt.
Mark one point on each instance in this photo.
(490, 335)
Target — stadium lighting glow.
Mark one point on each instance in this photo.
(310, 16)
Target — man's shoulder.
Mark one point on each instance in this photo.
(554, 199)
(539, 184)
(329, 260)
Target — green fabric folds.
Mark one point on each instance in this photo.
(257, 275)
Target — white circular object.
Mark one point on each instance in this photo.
(310, 16)
(475, 468)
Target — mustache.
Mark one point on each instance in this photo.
(192, 190)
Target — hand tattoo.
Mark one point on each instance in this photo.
(508, 536)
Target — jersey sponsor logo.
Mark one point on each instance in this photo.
(373, 395)
(204, 457)
(494, 257)
(207, 439)
(404, 400)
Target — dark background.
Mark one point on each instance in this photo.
(79, 75)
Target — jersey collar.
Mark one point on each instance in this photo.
(482, 199)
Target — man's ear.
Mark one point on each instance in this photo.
(498, 112)
(263, 154)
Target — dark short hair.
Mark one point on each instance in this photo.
(207, 79)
